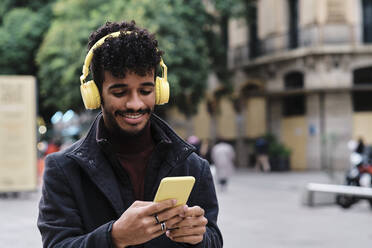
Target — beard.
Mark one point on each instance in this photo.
(118, 131)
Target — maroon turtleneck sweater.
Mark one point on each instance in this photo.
(134, 154)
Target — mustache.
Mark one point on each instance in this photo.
(131, 111)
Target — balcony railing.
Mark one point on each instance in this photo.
(311, 36)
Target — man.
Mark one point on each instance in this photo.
(99, 192)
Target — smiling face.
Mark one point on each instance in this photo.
(127, 102)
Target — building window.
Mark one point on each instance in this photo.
(294, 105)
(362, 76)
(362, 101)
(254, 49)
(362, 97)
(367, 21)
(293, 24)
(294, 80)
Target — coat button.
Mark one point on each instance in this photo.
(79, 153)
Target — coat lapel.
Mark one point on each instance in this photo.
(152, 182)
(100, 172)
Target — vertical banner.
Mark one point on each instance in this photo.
(18, 154)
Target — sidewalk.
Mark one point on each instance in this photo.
(266, 210)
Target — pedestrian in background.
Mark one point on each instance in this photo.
(262, 157)
(205, 150)
(195, 141)
(360, 147)
(223, 156)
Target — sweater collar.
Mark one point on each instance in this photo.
(153, 134)
(125, 145)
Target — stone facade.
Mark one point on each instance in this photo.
(294, 71)
(324, 41)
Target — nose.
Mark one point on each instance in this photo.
(134, 102)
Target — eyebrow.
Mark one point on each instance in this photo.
(114, 86)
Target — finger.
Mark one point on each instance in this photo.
(171, 224)
(192, 221)
(161, 227)
(156, 232)
(170, 213)
(149, 221)
(194, 211)
(193, 239)
(156, 207)
(141, 203)
(186, 231)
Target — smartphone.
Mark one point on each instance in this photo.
(175, 188)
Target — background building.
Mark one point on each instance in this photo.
(301, 70)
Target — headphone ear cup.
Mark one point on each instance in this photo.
(90, 94)
(161, 91)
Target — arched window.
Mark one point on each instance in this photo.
(294, 105)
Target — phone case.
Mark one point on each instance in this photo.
(175, 188)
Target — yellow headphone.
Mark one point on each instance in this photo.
(89, 90)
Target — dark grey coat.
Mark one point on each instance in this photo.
(85, 190)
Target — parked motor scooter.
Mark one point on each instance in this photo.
(360, 174)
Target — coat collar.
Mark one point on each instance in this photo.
(93, 162)
(162, 133)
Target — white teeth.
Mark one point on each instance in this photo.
(131, 116)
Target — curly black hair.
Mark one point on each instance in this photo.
(134, 52)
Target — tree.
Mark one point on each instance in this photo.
(21, 31)
(22, 27)
(55, 32)
(178, 27)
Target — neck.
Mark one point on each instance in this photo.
(132, 144)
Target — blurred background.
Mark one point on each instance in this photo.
(297, 73)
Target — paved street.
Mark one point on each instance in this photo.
(258, 210)
(266, 210)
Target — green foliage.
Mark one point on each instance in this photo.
(5, 5)
(20, 35)
(34, 5)
(23, 24)
(48, 38)
(63, 53)
(177, 27)
(216, 34)
(277, 149)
